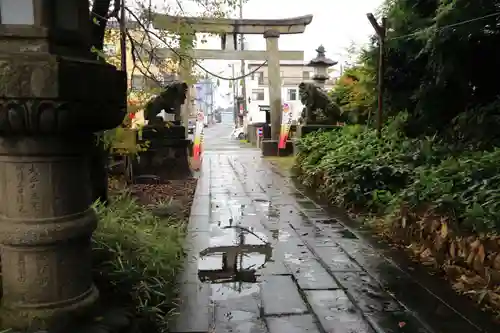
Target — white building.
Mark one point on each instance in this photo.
(257, 89)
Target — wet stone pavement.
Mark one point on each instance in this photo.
(263, 258)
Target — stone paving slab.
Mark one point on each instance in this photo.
(336, 261)
(201, 205)
(280, 296)
(198, 223)
(336, 312)
(310, 274)
(370, 298)
(292, 324)
(237, 308)
(275, 267)
(196, 309)
(396, 322)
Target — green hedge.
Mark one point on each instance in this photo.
(355, 169)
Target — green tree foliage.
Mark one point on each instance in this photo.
(355, 93)
(439, 58)
(440, 145)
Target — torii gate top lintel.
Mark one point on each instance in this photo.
(294, 25)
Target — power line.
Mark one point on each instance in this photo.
(453, 25)
(195, 62)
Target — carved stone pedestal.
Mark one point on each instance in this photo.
(167, 156)
(45, 229)
(46, 220)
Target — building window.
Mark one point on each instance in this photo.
(305, 75)
(291, 94)
(261, 78)
(258, 94)
(137, 82)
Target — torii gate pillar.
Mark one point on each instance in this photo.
(274, 78)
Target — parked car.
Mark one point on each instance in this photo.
(238, 133)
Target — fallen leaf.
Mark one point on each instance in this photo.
(481, 254)
(444, 230)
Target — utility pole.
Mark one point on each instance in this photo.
(123, 37)
(235, 95)
(381, 31)
(212, 88)
(244, 82)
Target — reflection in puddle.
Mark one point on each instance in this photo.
(236, 261)
(225, 291)
(273, 212)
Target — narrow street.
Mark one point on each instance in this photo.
(265, 258)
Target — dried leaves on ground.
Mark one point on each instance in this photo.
(176, 194)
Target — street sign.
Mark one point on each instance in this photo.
(259, 132)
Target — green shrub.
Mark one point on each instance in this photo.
(137, 258)
(467, 186)
(354, 169)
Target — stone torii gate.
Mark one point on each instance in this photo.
(229, 29)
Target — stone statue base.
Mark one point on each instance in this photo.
(252, 132)
(167, 156)
(270, 148)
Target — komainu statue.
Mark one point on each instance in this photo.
(319, 109)
(170, 100)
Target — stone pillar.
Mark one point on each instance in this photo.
(274, 78)
(46, 221)
(45, 225)
(54, 95)
(185, 67)
(187, 40)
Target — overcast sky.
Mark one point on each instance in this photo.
(336, 24)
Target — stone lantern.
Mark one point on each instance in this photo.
(54, 94)
(320, 64)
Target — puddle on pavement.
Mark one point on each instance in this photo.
(273, 212)
(228, 290)
(267, 208)
(234, 255)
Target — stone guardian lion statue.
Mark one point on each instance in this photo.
(318, 109)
